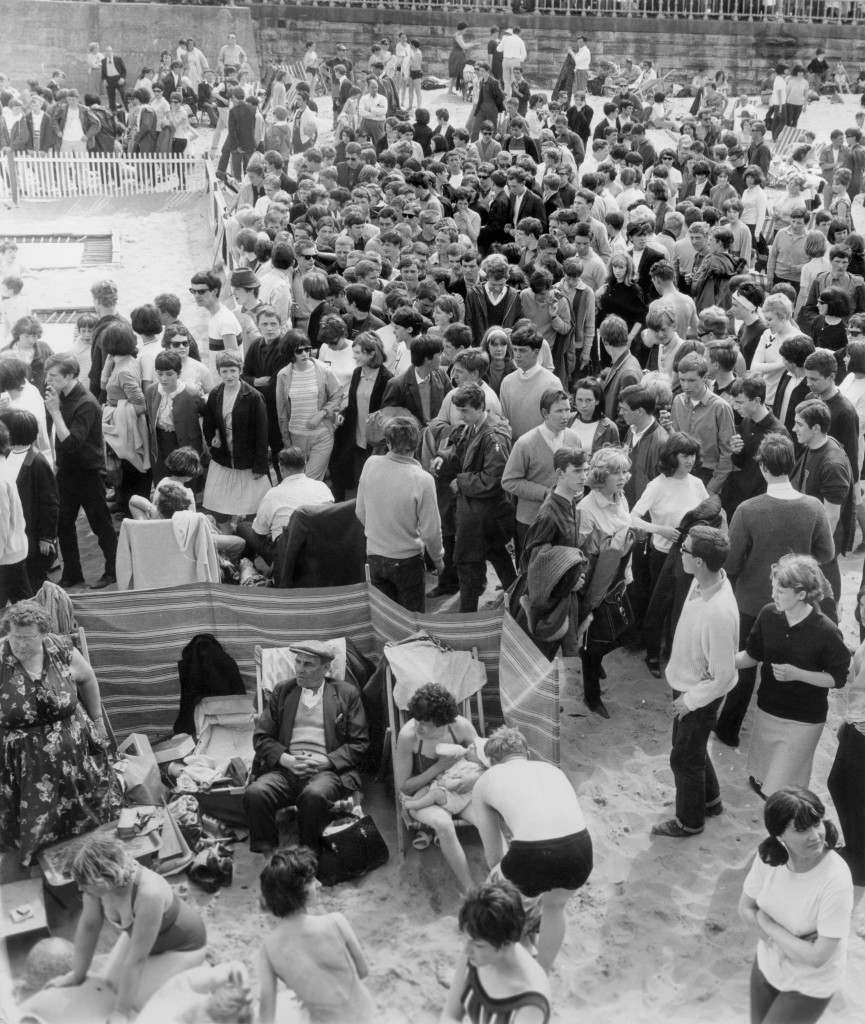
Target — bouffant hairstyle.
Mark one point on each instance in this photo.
(604, 462)
(799, 807)
(168, 361)
(801, 573)
(100, 859)
(331, 329)
(493, 913)
(118, 339)
(432, 703)
(184, 462)
(678, 443)
(146, 320)
(286, 878)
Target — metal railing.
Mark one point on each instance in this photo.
(68, 175)
(806, 11)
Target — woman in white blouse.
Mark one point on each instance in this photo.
(767, 361)
(754, 206)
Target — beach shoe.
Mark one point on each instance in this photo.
(713, 810)
(672, 829)
(422, 841)
(757, 787)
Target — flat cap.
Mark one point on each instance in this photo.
(317, 648)
(244, 278)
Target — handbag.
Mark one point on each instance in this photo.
(613, 616)
(350, 848)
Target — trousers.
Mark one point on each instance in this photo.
(847, 788)
(274, 790)
(401, 579)
(696, 782)
(739, 698)
(83, 490)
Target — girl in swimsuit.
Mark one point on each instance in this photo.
(160, 934)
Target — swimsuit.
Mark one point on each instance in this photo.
(544, 864)
(181, 930)
(481, 1008)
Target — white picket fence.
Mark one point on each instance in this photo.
(67, 175)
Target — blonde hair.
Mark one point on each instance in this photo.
(801, 572)
(505, 742)
(102, 859)
(778, 304)
(604, 462)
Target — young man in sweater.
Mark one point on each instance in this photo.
(702, 668)
(748, 395)
(529, 471)
(521, 390)
(396, 502)
(762, 529)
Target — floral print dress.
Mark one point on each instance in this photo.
(56, 779)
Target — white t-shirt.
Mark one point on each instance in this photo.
(280, 502)
(221, 323)
(819, 900)
(193, 372)
(147, 354)
(667, 499)
(340, 362)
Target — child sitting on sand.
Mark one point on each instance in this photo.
(317, 956)
(453, 788)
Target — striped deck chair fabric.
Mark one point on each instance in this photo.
(787, 140)
(529, 688)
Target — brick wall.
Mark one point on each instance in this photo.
(40, 35)
(746, 50)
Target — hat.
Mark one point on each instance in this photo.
(244, 278)
(317, 648)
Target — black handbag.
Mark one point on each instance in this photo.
(613, 616)
(350, 848)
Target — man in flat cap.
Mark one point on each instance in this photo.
(309, 742)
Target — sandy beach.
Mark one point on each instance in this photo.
(654, 936)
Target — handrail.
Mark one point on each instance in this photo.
(820, 12)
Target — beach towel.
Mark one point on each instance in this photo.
(155, 554)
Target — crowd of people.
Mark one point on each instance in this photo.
(623, 374)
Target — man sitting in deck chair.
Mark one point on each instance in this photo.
(310, 741)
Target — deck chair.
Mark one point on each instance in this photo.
(149, 556)
(79, 640)
(275, 664)
(397, 718)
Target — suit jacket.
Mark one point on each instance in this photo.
(532, 206)
(346, 737)
(404, 391)
(800, 393)
(170, 84)
(490, 100)
(119, 67)
(188, 406)
(89, 121)
(476, 315)
(22, 134)
(530, 147)
(241, 128)
(344, 436)
(322, 546)
(494, 220)
(644, 279)
(580, 121)
(627, 371)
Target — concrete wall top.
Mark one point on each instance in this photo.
(40, 35)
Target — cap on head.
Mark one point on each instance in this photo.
(315, 648)
(244, 278)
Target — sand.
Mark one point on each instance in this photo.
(654, 935)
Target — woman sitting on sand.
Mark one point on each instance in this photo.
(317, 956)
(799, 897)
(434, 723)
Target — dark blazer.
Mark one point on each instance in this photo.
(37, 489)
(346, 736)
(346, 175)
(22, 134)
(322, 546)
(626, 372)
(532, 206)
(403, 391)
(188, 407)
(580, 121)
(530, 147)
(119, 67)
(241, 128)
(345, 432)
(494, 220)
(171, 84)
(800, 393)
(644, 277)
(490, 101)
(249, 426)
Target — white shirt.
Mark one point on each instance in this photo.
(512, 47)
(280, 503)
(221, 323)
(582, 59)
(373, 107)
(667, 499)
(73, 131)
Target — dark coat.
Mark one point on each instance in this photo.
(403, 391)
(494, 220)
(119, 67)
(346, 737)
(241, 128)
(532, 206)
(22, 134)
(580, 122)
(476, 310)
(188, 407)
(344, 435)
(322, 546)
(89, 121)
(529, 144)
(37, 489)
(489, 103)
(619, 376)
(249, 427)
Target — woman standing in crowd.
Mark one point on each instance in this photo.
(799, 897)
(496, 979)
(433, 719)
(235, 431)
(547, 308)
(828, 330)
(161, 934)
(365, 394)
(621, 295)
(593, 428)
(802, 656)
(181, 132)
(840, 205)
(58, 780)
(308, 397)
(496, 342)
(767, 361)
(335, 350)
(19, 393)
(457, 59)
(754, 208)
(28, 346)
(123, 419)
(14, 584)
(94, 69)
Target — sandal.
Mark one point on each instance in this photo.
(422, 841)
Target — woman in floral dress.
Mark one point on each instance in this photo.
(56, 779)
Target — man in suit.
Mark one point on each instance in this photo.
(524, 202)
(173, 81)
(239, 144)
(114, 76)
(421, 389)
(518, 142)
(758, 152)
(580, 117)
(833, 158)
(310, 740)
(35, 130)
(624, 370)
(793, 385)
(341, 90)
(489, 101)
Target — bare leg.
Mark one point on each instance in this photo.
(438, 819)
(552, 933)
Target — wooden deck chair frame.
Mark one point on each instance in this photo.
(85, 653)
(396, 720)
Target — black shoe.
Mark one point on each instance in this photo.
(598, 707)
(726, 739)
(755, 785)
(105, 580)
(714, 810)
(68, 584)
(440, 591)
(654, 667)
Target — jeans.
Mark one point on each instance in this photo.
(115, 92)
(82, 489)
(401, 579)
(696, 782)
(737, 700)
(769, 1006)
(280, 788)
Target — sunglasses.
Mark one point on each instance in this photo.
(303, 348)
(198, 291)
(686, 551)
(178, 344)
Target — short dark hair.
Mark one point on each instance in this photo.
(814, 413)
(118, 339)
(724, 354)
(183, 461)
(752, 386)
(168, 361)
(822, 361)
(402, 435)
(286, 878)
(493, 913)
(796, 349)
(799, 807)
(566, 456)
(167, 303)
(837, 302)
(208, 279)
(526, 335)
(594, 385)
(710, 545)
(613, 331)
(678, 443)
(292, 458)
(550, 397)
(425, 348)
(635, 396)
(359, 295)
(469, 396)
(434, 704)
(776, 454)
(409, 318)
(22, 425)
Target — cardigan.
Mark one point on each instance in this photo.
(249, 430)
(329, 396)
